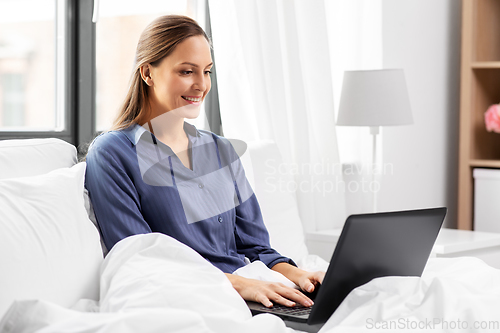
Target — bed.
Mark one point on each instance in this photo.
(55, 278)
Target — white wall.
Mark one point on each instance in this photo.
(423, 38)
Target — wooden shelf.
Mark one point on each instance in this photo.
(485, 26)
(479, 88)
(485, 163)
(486, 64)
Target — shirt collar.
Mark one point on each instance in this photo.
(134, 132)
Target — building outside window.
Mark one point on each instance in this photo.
(13, 98)
(27, 65)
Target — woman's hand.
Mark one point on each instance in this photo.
(267, 292)
(307, 281)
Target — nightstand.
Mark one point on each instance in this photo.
(322, 243)
(449, 244)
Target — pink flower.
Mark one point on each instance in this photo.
(492, 118)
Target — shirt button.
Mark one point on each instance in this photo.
(201, 185)
(220, 219)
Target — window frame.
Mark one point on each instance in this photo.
(66, 25)
(212, 107)
(86, 73)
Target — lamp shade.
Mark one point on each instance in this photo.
(374, 98)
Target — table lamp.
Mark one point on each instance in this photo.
(374, 98)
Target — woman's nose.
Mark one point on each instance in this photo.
(200, 83)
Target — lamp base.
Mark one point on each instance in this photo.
(374, 131)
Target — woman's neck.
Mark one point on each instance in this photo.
(168, 128)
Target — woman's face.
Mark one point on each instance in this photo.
(181, 80)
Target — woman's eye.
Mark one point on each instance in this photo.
(208, 72)
(187, 72)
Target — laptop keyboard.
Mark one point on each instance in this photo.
(297, 310)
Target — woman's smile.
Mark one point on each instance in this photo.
(193, 99)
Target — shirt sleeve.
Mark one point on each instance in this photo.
(114, 198)
(252, 238)
(251, 235)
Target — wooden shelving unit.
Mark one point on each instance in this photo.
(480, 88)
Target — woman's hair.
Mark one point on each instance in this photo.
(157, 41)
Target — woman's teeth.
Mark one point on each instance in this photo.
(192, 99)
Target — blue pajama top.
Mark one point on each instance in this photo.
(138, 185)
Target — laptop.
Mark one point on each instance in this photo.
(370, 246)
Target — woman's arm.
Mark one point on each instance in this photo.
(267, 292)
(114, 197)
(252, 240)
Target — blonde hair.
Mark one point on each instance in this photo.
(157, 41)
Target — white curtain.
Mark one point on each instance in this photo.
(355, 36)
(274, 77)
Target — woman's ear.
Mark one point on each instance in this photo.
(146, 74)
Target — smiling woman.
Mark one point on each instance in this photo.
(153, 172)
(166, 52)
(175, 82)
(118, 23)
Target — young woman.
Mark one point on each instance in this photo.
(153, 172)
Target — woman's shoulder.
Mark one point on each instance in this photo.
(114, 141)
(111, 150)
(208, 136)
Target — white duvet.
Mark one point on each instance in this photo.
(152, 283)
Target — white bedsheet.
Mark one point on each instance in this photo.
(453, 295)
(152, 283)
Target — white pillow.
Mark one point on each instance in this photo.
(278, 206)
(48, 247)
(33, 157)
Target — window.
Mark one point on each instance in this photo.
(63, 75)
(119, 26)
(27, 65)
(13, 96)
